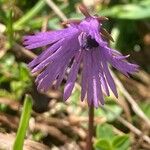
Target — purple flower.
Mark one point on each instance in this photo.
(80, 43)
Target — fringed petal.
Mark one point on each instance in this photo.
(109, 78)
(50, 74)
(97, 82)
(72, 76)
(101, 72)
(46, 53)
(84, 76)
(119, 62)
(65, 51)
(90, 80)
(46, 38)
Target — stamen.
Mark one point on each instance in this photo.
(105, 33)
(71, 21)
(84, 10)
(102, 18)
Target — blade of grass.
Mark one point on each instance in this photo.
(23, 125)
(29, 15)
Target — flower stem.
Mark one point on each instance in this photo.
(89, 143)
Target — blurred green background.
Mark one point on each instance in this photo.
(129, 25)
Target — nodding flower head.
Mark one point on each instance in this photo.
(82, 41)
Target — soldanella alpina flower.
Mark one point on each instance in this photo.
(82, 42)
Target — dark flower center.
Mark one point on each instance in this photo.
(89, 43)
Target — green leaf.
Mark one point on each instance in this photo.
(109, 115)
(5, 93)
(24, 74)
(3, 107)
(54, 24)
(23, 125)
(124, 29)
(121, 142)
(146, 108)
(38, 136)
(103, 144)
(128, 11)
(75, 96)
(104, 131)
(17, 87)
(16, 81)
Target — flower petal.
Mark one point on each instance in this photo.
(72, 76)
(45, 38)
(109, 78)
(64, 52)
(101, 72)
(120, 63)
(84, 77)
(46, 53)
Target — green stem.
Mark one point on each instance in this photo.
(10, 27)
(36, 9)
(23, 125)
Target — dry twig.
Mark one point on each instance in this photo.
(24, 51)
(6, 143)
(134, 129)
(131, 127)
(56, 9)
(134, 105)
